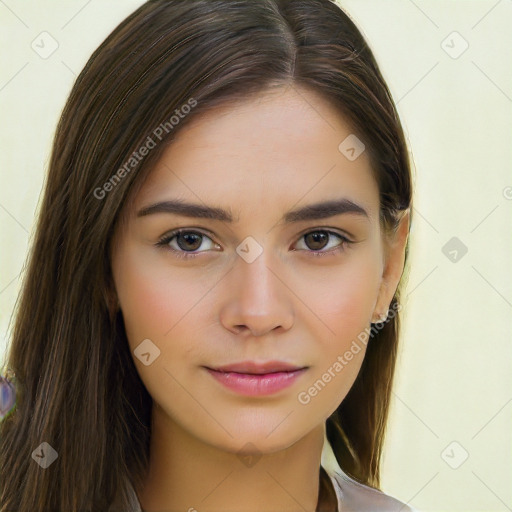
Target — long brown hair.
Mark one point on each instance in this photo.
(77, 387)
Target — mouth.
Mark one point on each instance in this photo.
(255, 368)
(251, 379)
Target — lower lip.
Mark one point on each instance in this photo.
(257, 385)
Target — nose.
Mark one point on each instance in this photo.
(257, 299)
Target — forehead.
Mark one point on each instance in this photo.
(274, 150)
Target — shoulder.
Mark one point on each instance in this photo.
(356, 497)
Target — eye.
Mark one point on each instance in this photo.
(319, 239)
(183, 241)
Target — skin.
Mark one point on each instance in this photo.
(258, 160)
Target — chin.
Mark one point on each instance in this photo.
(265, 439)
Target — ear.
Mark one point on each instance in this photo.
(393, 267)
(110, 297)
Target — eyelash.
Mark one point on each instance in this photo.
(166, 239)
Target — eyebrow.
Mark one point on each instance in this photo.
(322, 210)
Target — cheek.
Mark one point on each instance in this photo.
(153, 299)
(159, 304)
(343, 296)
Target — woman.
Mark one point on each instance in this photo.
(214, 284)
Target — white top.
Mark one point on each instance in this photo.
(352, 497)
(356, 497)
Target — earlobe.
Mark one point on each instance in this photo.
(380, 313)
(379, 318)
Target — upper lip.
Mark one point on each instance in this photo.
(258, 368)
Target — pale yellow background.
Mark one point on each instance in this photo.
(454, 373)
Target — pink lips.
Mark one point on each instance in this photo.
(257, 379)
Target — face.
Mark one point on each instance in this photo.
(261, 278)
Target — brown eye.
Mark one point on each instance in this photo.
(189, 241)
(322, 242)
(185, 241)
(316, 240)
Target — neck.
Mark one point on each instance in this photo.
(187, 474)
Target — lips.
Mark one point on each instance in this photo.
(254, 368)
(257, 384)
